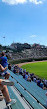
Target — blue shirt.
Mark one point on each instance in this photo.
(4, 62)
(26, 77)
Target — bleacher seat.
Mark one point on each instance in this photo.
(18, 104)
(32, 88)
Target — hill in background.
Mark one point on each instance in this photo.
(23, 51)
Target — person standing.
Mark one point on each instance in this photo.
(4, 63)
(3, 58)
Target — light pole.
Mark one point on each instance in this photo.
(4, 39)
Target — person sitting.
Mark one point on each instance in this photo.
(27, 77)
(20, 71)
(17, 69)
(5, 93)
(24, 70)
(46, 102)
(9, 66)
(38, 82)
(41, 85)
(34, 79)
(32, 76)
(14, 71)
(24, 75)
(45, 83)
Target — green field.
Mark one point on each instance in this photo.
(38, 68)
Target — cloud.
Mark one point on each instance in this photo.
(13, 2)
(33, 36)
(36, 1)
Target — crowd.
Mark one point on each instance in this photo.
(28, 76)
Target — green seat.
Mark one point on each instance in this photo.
(32, 88)
(26, 95)
(18, 104)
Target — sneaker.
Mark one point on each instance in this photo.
(13, 101)
(7, 82)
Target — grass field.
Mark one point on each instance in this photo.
(38, 68)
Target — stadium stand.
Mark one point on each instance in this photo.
(31, 91)
(27, 94)
(31, 53)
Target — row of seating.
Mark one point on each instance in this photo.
(18, 104)
(27, 96)
(32, 88)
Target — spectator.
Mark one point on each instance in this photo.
(27, 77)
(38, 82)
(31, 76)
(4, 63)
(20, 71)
(24, 73)
(24, 70)
(41, 85)
(45, 83)
(9, 66)
(46, 102)
(17, 69)
(34, 79)
(3, 58)
(14, 71)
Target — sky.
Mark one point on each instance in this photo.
(23, 21)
